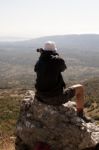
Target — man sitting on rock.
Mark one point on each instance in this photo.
(50, 86)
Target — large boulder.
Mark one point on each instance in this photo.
(58, 126)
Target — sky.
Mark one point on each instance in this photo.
(36, 18)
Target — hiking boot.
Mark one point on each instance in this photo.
(85, 118)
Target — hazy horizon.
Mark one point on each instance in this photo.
(13, 38)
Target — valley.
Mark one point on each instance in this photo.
(17, 61)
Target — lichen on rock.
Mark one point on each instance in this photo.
(58, 126)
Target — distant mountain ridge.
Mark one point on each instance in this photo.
(80, 52)
(75, 41)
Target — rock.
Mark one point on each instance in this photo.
(58, 126)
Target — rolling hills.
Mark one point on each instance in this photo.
(17, 59)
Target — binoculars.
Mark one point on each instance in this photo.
(39, 50)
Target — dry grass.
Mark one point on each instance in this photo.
(9, 110)
(7, 143)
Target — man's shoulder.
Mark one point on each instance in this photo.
(57, 58)
(60, 63)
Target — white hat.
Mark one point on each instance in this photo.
(50, 46)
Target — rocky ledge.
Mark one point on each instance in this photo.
(58, 126)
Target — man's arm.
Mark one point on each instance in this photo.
(36, 67)
(61, 64)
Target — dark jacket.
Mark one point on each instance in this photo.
(49, 80)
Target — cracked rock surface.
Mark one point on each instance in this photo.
(58, 126)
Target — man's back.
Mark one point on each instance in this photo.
(49, 79)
